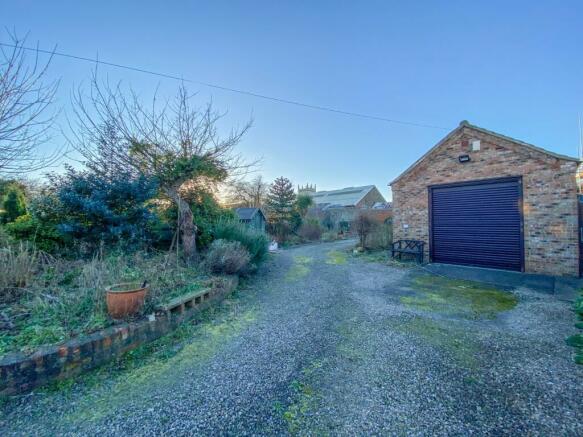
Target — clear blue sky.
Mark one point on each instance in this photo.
(513, 67)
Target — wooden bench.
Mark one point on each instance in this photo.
(185, 302)
(410, 247)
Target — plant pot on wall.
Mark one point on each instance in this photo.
(125, 299)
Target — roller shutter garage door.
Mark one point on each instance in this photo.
(477, 223)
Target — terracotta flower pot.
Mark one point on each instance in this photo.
(125, 299)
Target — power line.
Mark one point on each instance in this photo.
(224, 88)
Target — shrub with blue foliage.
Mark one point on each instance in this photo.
(109, 209)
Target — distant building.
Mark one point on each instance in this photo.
(339, 208)
(351, 197)
(252, 217)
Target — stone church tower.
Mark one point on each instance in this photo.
(307, 189)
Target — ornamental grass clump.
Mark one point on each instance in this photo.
(227, 257)
(254, 241)
(18, 265)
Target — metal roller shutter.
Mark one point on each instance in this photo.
(477, 223)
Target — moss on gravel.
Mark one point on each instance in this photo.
(335, 257)
(349, 345)
(305, 399)
(303, 403)
(454, 296)
(382, 257)
(453, 341)
(160, 361)
(299, 269)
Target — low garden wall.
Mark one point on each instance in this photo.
(23, 372)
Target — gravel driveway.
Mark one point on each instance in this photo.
(324, 343)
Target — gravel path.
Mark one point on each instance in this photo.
(321, 343)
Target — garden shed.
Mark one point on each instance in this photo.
(484, 199)
(252, 217)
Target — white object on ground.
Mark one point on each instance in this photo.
(273, 246)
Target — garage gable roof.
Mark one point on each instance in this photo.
(465, 123)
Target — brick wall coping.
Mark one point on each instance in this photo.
(20, 372)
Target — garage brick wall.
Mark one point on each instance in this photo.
(549, 195)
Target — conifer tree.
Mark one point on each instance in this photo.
(14, 204)
(280, 202)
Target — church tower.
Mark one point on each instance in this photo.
(308, 189)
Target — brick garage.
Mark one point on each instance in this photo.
(547, 211)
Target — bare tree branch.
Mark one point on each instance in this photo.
(172, 141)
(25, 118)
(250, 194)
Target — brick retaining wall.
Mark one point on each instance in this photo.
(20, 372)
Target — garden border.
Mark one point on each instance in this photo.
(21, 372)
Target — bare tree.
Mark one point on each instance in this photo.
(250, 194)
(173, 142)
(364, 226)
(25, 120)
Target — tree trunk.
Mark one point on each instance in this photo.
(188, 230)
(186, 227)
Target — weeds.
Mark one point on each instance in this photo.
(299, 269)
(44, 300)
(329, 236)
(310, 231)
(18, 264)
(380, 237)
(336, 257)
(576, 341)
(305, 399)
(64, 299)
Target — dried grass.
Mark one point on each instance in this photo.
(17, 265)
(58, 299)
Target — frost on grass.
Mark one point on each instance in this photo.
(467, 299)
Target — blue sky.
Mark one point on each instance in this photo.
(512, 67)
